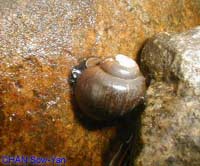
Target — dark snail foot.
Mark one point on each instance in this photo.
(126, 146)
(122, 157)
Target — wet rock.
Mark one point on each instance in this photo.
(171, 121)
(39, 43)
(89, 27)
(37, 117)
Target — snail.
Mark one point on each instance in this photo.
(108, 88)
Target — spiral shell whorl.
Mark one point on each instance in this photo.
(121, 67)
(109, 88)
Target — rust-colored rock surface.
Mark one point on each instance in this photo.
(41, 40)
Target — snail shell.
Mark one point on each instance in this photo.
(109, 88)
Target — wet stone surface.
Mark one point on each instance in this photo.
(40, 40)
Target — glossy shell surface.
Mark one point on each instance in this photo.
(108, 89)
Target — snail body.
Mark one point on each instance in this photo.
(109, 88)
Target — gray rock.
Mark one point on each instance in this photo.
(171, 121)
(175, 57)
